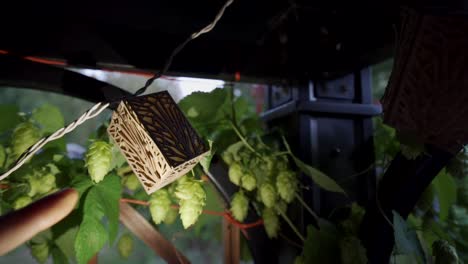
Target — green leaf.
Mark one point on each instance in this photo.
(48, 117)
(352, 251)
(320, 178)
(58, 256)
(406, 239)
(65, 242)
(321, 246)
(205, 162)
(90, 239)
(10, 117)
(201, 107)
(107, 195)
(81, 184)
(446, 189)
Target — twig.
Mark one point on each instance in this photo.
(286, 218)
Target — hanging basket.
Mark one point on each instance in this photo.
(157, 140)
(427, 94)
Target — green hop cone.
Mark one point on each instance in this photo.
(248, 181)
(227, 157)
(233, 151)
(40, 252)
(125, 246)
(235, 173)
(189, 211)
(444, 253)
(270, 222)
(239, 206)
(47, 183)
(2, 156)
(98, 160)
(160, 205)
(25, 135)
(190, 189)
(286, 184)
(171, 217)
(192, 199)
(267, 165)
(131, 182)
(268, 195)
(281, 163)
(281, 207)
(21, 202)
(352, 251)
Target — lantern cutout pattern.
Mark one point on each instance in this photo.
(156, 139)
(427, 92)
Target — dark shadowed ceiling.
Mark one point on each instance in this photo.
(258, 38)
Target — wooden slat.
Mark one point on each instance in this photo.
(139, 226)
(231, 237)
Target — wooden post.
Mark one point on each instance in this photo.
(231, 241)
(142, 229)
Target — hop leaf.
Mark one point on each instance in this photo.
(425, 202)
(192, 199)
(98, 160)
(235, 173)
(444, 253)
(170, 217)
(131, 182)
(21, 202)
(458, 215)
(25, 135)
(352, 251)
(248, 181)
(239, 206)
(411, 152)
(299, 260)
(125, 246)
(40, 252)
(271, 222)
(268, 195)
(281, 207)
(160, 205)
(2, 156)
(286, 185)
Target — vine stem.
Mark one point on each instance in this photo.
(306, 206)
(286, 218)
(281, 153)
(242, 138)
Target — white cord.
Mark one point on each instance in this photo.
(209, 27)
(90, 113)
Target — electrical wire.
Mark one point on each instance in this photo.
(193, 36)
(101, 106)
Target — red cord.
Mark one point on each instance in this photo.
(227, 215)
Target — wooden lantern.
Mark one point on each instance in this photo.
(427, 93)
(157, 140)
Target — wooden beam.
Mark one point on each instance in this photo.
(231, 242)
(141, 228)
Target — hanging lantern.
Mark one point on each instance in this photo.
(157, 140)
(427, 94)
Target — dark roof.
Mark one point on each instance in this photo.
(261, 38)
